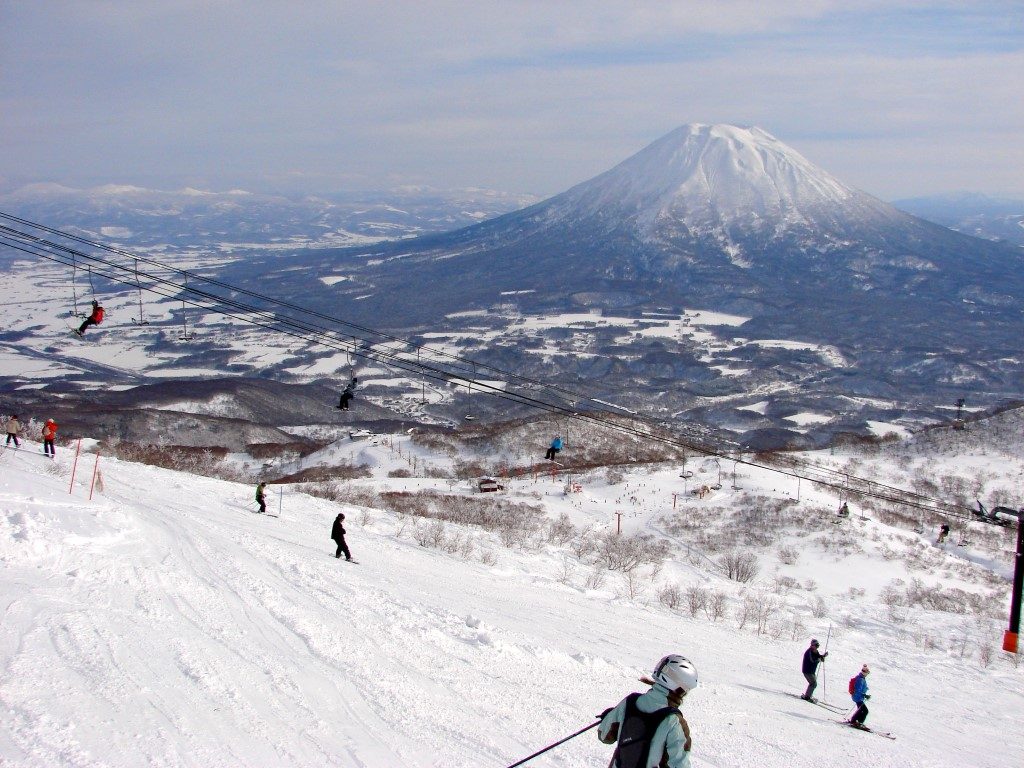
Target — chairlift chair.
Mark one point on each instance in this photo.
(993, 517)
(423, 379)
(141, 319)
(75, 312)
(981, 513)
(469, 386)
(185, 335)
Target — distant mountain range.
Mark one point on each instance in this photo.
(992, 218)
(715, 276)
(238, 220)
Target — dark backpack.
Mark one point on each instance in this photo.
(635, 734)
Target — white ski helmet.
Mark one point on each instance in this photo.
(675, 671)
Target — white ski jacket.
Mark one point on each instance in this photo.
(669, 739)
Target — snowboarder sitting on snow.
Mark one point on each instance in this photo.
(338, 534)
(347, 394)
(261, 498)
(556, 446)
(93, 319)
(13, 427)
(810, 669)
(49, 435)
(860, 695)
(649, 728)
(943, 533)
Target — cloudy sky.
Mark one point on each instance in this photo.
(896, 97)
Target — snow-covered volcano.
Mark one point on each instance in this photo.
(711, 216)
(707, 218)
(719, 180)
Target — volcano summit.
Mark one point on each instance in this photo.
(713, 218)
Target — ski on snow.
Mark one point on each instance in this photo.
(823, 704)
(865, 729)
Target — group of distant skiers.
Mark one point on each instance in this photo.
(337, 530)
(858, 688)
(649, 730)
(48, 434)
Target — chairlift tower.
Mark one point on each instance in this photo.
(958, 422)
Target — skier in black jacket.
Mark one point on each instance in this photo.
(348, 393)
(338, 534)
(810, 669)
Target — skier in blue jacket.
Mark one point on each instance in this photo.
(860, 695)
(649, 729)
(556, 446)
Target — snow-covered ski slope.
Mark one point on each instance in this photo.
(164, 624)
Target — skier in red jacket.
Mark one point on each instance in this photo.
(94, 319)
(49, 435)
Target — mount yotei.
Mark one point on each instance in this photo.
(835, 300)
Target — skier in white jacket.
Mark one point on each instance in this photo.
(648, 729)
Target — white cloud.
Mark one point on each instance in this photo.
(525, 96)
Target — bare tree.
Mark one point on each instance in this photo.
(819, 608)
(696, 598)
(671, 596)
(561, 530)
(717, 606)
(747, 611)
(740, 566)
(627, 553)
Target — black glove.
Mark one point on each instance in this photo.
(604, 714)
(867, 695)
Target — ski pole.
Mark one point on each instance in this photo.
(824, 689)
(552, 746)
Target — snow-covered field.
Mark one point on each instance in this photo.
(161, 623)
(132, 352)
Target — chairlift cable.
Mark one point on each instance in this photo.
(254, 294)
(438, 353)
(304, 330)
(914, 500)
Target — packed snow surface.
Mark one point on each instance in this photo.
(162, 623)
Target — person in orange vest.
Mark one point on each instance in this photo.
(49, 435)
(94, 319)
